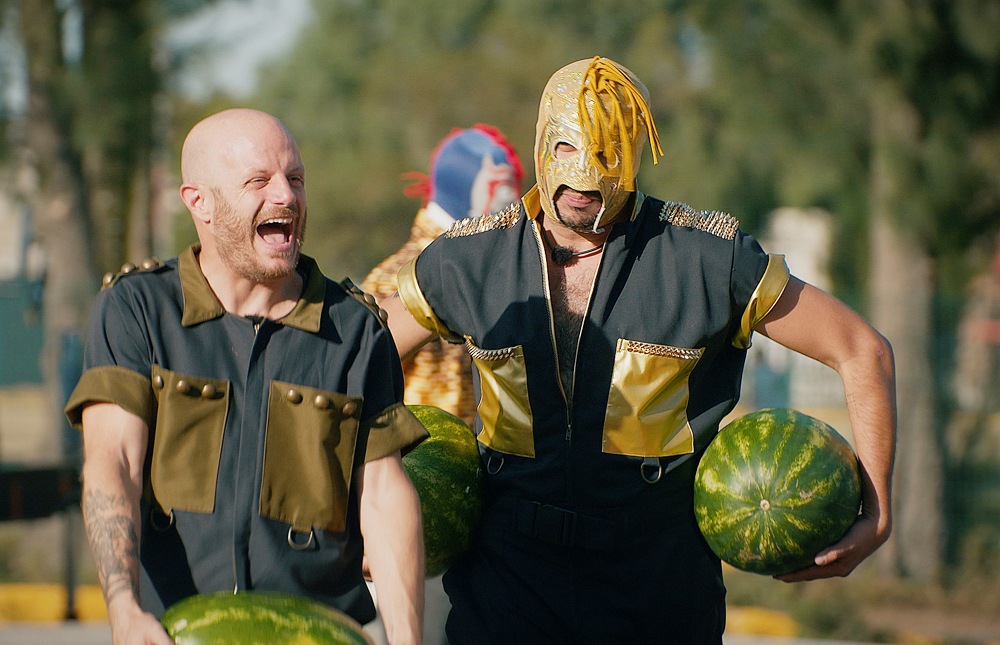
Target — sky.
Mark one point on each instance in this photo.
(232, 39)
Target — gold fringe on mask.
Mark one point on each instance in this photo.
(605, 127)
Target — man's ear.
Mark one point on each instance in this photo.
(197, 200)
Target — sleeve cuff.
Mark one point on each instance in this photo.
(396, 429)
(111, 384)
(415, 302)
(768, 290)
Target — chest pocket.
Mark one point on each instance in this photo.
(503, 406)
(190, 422)
(308, 457)
(647, 405)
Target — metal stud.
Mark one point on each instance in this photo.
(322, 402)
(183, 386)
(128, 267)
(350, 409)
(294, 396)
(208, 391)
(158, 381)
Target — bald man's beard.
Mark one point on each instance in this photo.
(234, 241)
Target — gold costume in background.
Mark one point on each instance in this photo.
(473, 172)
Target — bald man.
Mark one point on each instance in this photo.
(242, 415)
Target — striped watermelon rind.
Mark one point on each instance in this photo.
(445, 469)
(259, 618)
(774, 488)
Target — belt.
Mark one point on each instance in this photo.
(563, 527)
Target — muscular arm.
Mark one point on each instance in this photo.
(394, 545)
(408, 334)
(818, 325)
(114, 443)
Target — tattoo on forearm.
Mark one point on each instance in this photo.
(114, 542)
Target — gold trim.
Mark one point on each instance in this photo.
(504, 408)
(415, 302)
(719, 224)
(768, 291)
(647, 402)
(488, 354)
(472, 225)
(658, 350)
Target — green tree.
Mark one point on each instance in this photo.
(881, 111)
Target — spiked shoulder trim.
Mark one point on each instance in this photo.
(472, 225)
(717, 223)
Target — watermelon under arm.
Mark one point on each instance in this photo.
(773, 489)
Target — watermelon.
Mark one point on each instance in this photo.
(259, 618)
(774, 488)
(445, 470)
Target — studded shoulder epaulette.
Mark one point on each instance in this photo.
(366, 299)
(149, 264)
(723, 225)
(472, 225)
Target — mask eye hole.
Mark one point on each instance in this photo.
(564, 150)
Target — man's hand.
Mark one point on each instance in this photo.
(840, 559)
(132, 626)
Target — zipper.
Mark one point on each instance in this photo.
(237, 544)
(540, 244)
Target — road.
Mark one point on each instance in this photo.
(89, 633)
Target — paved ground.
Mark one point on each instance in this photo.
(99, 634)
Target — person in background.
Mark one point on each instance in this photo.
(473, 171)
(609, 330)
(242, 415)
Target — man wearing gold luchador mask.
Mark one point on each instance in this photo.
(609, 331)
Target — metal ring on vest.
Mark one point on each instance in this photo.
(298, 546)
(489, 464)
(647, 465)
(152, 519)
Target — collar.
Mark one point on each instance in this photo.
(533, 203)
(201, 304)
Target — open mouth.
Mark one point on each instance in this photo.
(578, 199)
(277, 232)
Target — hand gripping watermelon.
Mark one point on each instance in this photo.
(773, 489)
(259, 618)
(445, 470)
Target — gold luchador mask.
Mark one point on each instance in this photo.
(602, 110)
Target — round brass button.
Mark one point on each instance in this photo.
(183, 386)
(108, 278)
(350, 409)
(370, 299)
(208, 391)
(294, 396)
(322, 402)
(157, 381)
(150, 263)
(128, 267)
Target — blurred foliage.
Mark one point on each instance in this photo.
(758, 104)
